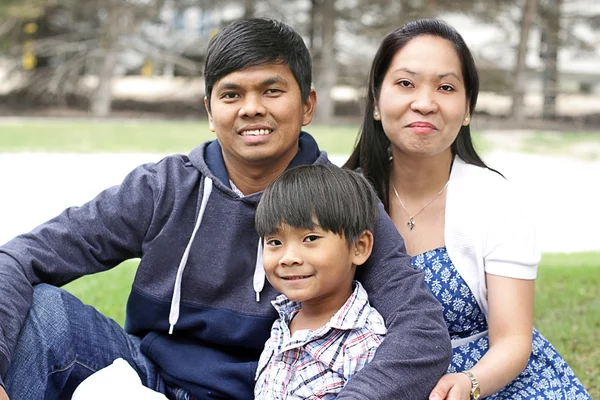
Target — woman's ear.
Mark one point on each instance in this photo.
(376, 114)
(362, 247)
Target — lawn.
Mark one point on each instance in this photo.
(566, 308)
(144, 136)
(567, 298)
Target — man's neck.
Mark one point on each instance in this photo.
(253, 178)
(250, 182)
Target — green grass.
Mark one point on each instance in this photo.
(567, 306)
(585, 145)
(567, 311)
(138, 136)
(567, 300)
(147, 136)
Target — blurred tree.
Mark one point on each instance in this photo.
(326, 77)
(249, 6)
(550, 43)
(92, 37)
(519, 83)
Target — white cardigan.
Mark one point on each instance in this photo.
(487, 229)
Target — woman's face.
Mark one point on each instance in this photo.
(423, 102)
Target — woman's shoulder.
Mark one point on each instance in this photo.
(477, 179)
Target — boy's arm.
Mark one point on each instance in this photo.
(416, 350)
(80, 241)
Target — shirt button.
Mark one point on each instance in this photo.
(281, 365)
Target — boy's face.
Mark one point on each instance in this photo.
(312, 266)
(257, 114)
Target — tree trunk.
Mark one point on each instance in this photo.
(101, 102)
(327, 69)
(249, 8)
(312, 27)
(550, 46)
(520, 73)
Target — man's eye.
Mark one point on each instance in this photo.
(311, 238)
(229, 96)
(273, 91)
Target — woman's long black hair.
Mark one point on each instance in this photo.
(371, 150)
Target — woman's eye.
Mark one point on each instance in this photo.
(405, 83)
(446, 88)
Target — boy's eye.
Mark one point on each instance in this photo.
(273, 242)
(311, 238)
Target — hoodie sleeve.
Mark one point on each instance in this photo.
(416, 350)
(80, 241)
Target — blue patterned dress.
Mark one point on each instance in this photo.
(547, 375)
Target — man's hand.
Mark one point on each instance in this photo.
(3, 395)
(452, 387)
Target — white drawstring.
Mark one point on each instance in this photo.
(258, 281)
(174, 313)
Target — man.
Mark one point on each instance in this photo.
(199, 311)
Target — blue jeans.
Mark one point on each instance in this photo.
(63, 341)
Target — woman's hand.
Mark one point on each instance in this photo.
(452, 387)
(3, 395)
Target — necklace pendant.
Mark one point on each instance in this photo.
(410, 224)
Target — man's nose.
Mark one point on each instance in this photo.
(252, 106)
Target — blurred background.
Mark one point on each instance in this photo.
(539, 59)
(89, 89)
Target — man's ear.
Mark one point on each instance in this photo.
(362, 247)
(211, 125)
(309, 107)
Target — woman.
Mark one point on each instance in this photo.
(461, 221)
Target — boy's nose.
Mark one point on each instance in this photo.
(291, 257)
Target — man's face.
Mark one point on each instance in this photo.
(257, 114)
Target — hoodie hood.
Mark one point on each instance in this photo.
(208, 159)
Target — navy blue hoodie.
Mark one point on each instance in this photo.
(199, 277)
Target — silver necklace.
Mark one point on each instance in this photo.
(411, 223)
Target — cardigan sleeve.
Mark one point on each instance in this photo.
(510, 246)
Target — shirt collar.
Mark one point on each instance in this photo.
(350, 316)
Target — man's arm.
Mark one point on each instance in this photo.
(416, 350)
(80, 241)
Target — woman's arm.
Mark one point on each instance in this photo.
(510, 331)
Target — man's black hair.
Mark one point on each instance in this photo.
(257, 41)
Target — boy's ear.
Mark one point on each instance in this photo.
(361, 250)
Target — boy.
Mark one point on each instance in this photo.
(317, 222)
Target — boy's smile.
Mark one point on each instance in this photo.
(312, 266)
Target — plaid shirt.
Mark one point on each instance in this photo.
(317, 364)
